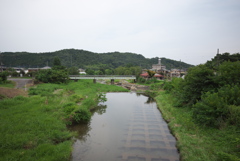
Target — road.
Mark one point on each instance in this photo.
(21, 83)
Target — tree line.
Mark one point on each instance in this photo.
(85, 59)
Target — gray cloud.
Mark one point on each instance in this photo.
(190, 30)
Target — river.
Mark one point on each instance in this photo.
(126, 127)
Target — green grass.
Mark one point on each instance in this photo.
(34, 128)
(8, 84)
(197, 143)
(29, 131)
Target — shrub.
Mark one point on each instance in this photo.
(68, 108)
(156, 86)
(52, 76)
(199, 79)
(81, 114)
(218, 107)
(228, 73)
(234, 115)
(211, 110)
(3, 77)
(141, 80)
(151, 80)
(168, 86)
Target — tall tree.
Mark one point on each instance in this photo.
(57, 61)
(57, 65)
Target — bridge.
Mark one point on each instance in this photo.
(95, 77)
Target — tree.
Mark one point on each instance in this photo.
(89, 72)
(228, 73)
(52, 76)
(57, 64)
(57, 61)
(22, 72)
(127, 72)
(99, 72)
(150, 73)
(108, 72)
(3, 77)
(200, 79)
(120, 70)
(73, 71)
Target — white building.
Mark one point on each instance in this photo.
(159, 66)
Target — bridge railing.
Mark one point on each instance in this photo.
(102, 76)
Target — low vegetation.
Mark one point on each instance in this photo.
(8, 84)
(197, 142)
(34, 127)
(203, 110)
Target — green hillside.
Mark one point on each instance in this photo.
(82, 59)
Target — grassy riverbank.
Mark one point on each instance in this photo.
(198, 143)
(34, 127)
(8, 84)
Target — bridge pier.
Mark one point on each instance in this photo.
(112, 81)
(94, 80)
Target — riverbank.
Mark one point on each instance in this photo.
(34, 127)
(197, 143)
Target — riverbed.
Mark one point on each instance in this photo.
(128, 127)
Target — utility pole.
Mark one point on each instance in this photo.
(1, 62)
(180, 67)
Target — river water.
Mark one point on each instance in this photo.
(126, 127)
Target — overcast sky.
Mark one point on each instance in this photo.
(186, 30)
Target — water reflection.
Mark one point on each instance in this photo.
(83, 128)
(100, 109)
(127, 127)
(150, 100)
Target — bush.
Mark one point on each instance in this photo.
(141, 80)
(3, 77)
(218, 107)
(199, 79)
(234, 115)
(81, 114)
(69, 108)
(211, 110)
(52, 76)
(228, 73)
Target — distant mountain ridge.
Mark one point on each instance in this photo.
(83, 58)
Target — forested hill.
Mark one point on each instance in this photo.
(83, 59)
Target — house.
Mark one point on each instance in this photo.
(37, 69)
(158, 76)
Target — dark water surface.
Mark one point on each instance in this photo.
(128, 127)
